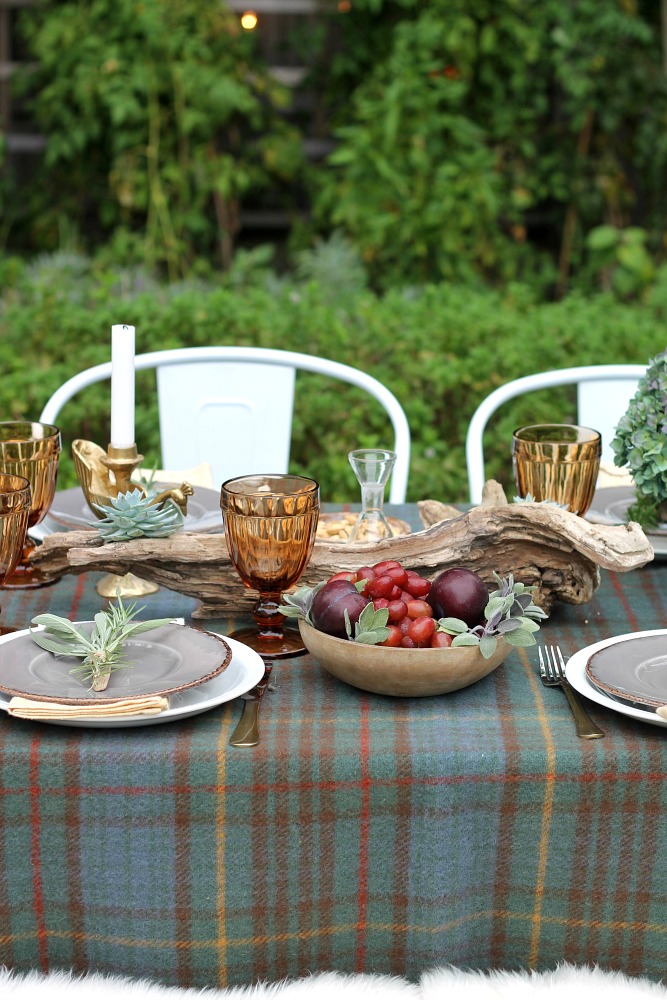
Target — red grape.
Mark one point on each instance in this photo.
(418, 586)
(386, 564)
(397, 611)
(419, 609)
(422, 631)
(381, 586)
(441, 640)
(351, 577)
(394, 638)
(398, 575)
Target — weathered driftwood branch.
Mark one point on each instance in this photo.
(542, 545)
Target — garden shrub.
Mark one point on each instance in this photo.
(440, 350)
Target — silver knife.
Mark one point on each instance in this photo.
(246, 733)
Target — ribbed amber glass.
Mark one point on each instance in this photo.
(558, 462)
(31, 450)
(270, 525)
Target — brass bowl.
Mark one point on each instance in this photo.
(403, 673)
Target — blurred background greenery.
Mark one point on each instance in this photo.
(488, 199)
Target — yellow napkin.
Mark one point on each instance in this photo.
(198, 475)
(27, 708)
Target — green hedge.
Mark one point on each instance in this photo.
(441, 350)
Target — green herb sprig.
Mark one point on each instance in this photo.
(102, 650)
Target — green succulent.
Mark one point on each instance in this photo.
(135, 515)
(641, 439)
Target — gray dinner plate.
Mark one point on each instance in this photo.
(70, 512)
(632, 670)
(162, 662)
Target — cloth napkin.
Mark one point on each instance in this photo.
(28, 708)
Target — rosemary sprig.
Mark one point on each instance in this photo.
(102, 650)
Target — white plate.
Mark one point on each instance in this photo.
(575, 671)
(245, 669)
(70, 512)
(610, 506)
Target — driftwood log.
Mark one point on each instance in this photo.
(555, 551)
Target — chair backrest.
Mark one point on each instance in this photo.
(603, 394)
(232, 407)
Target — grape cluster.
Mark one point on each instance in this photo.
(403, 593)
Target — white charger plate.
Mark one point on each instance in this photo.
(245, 669)
(575, 671)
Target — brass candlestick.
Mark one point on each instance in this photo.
(104, 475)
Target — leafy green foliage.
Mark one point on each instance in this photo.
(641, 439)
(476, 141)
(440, 350)
(479, 132)
(160, 119)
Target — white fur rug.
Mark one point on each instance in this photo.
(567, 982)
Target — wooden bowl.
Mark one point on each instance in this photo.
(403, 673)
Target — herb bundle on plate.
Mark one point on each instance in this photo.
(101, 651)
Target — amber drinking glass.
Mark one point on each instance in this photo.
(270, 524)
(14, 513)
(558, 462)
(31, 450)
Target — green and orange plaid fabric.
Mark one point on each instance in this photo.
(363, 833)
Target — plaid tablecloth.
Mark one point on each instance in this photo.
(363, 834)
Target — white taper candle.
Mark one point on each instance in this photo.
(122, 386)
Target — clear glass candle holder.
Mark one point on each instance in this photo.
(372, 467)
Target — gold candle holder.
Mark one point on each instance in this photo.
(104, 475)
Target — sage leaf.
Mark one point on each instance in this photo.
(466, 639)
(454, 626)
(487, 646)
(522, 637)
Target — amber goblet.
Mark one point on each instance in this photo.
(270, 524)
(14, 513)
(558, 462)
(31, 450)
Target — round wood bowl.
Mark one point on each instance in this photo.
(403, 673)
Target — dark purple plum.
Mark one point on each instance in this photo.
(458, 593)
(328, 611)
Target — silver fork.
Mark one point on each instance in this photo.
(552, 672)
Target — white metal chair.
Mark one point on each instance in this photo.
(232, 407)
(603, 394)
